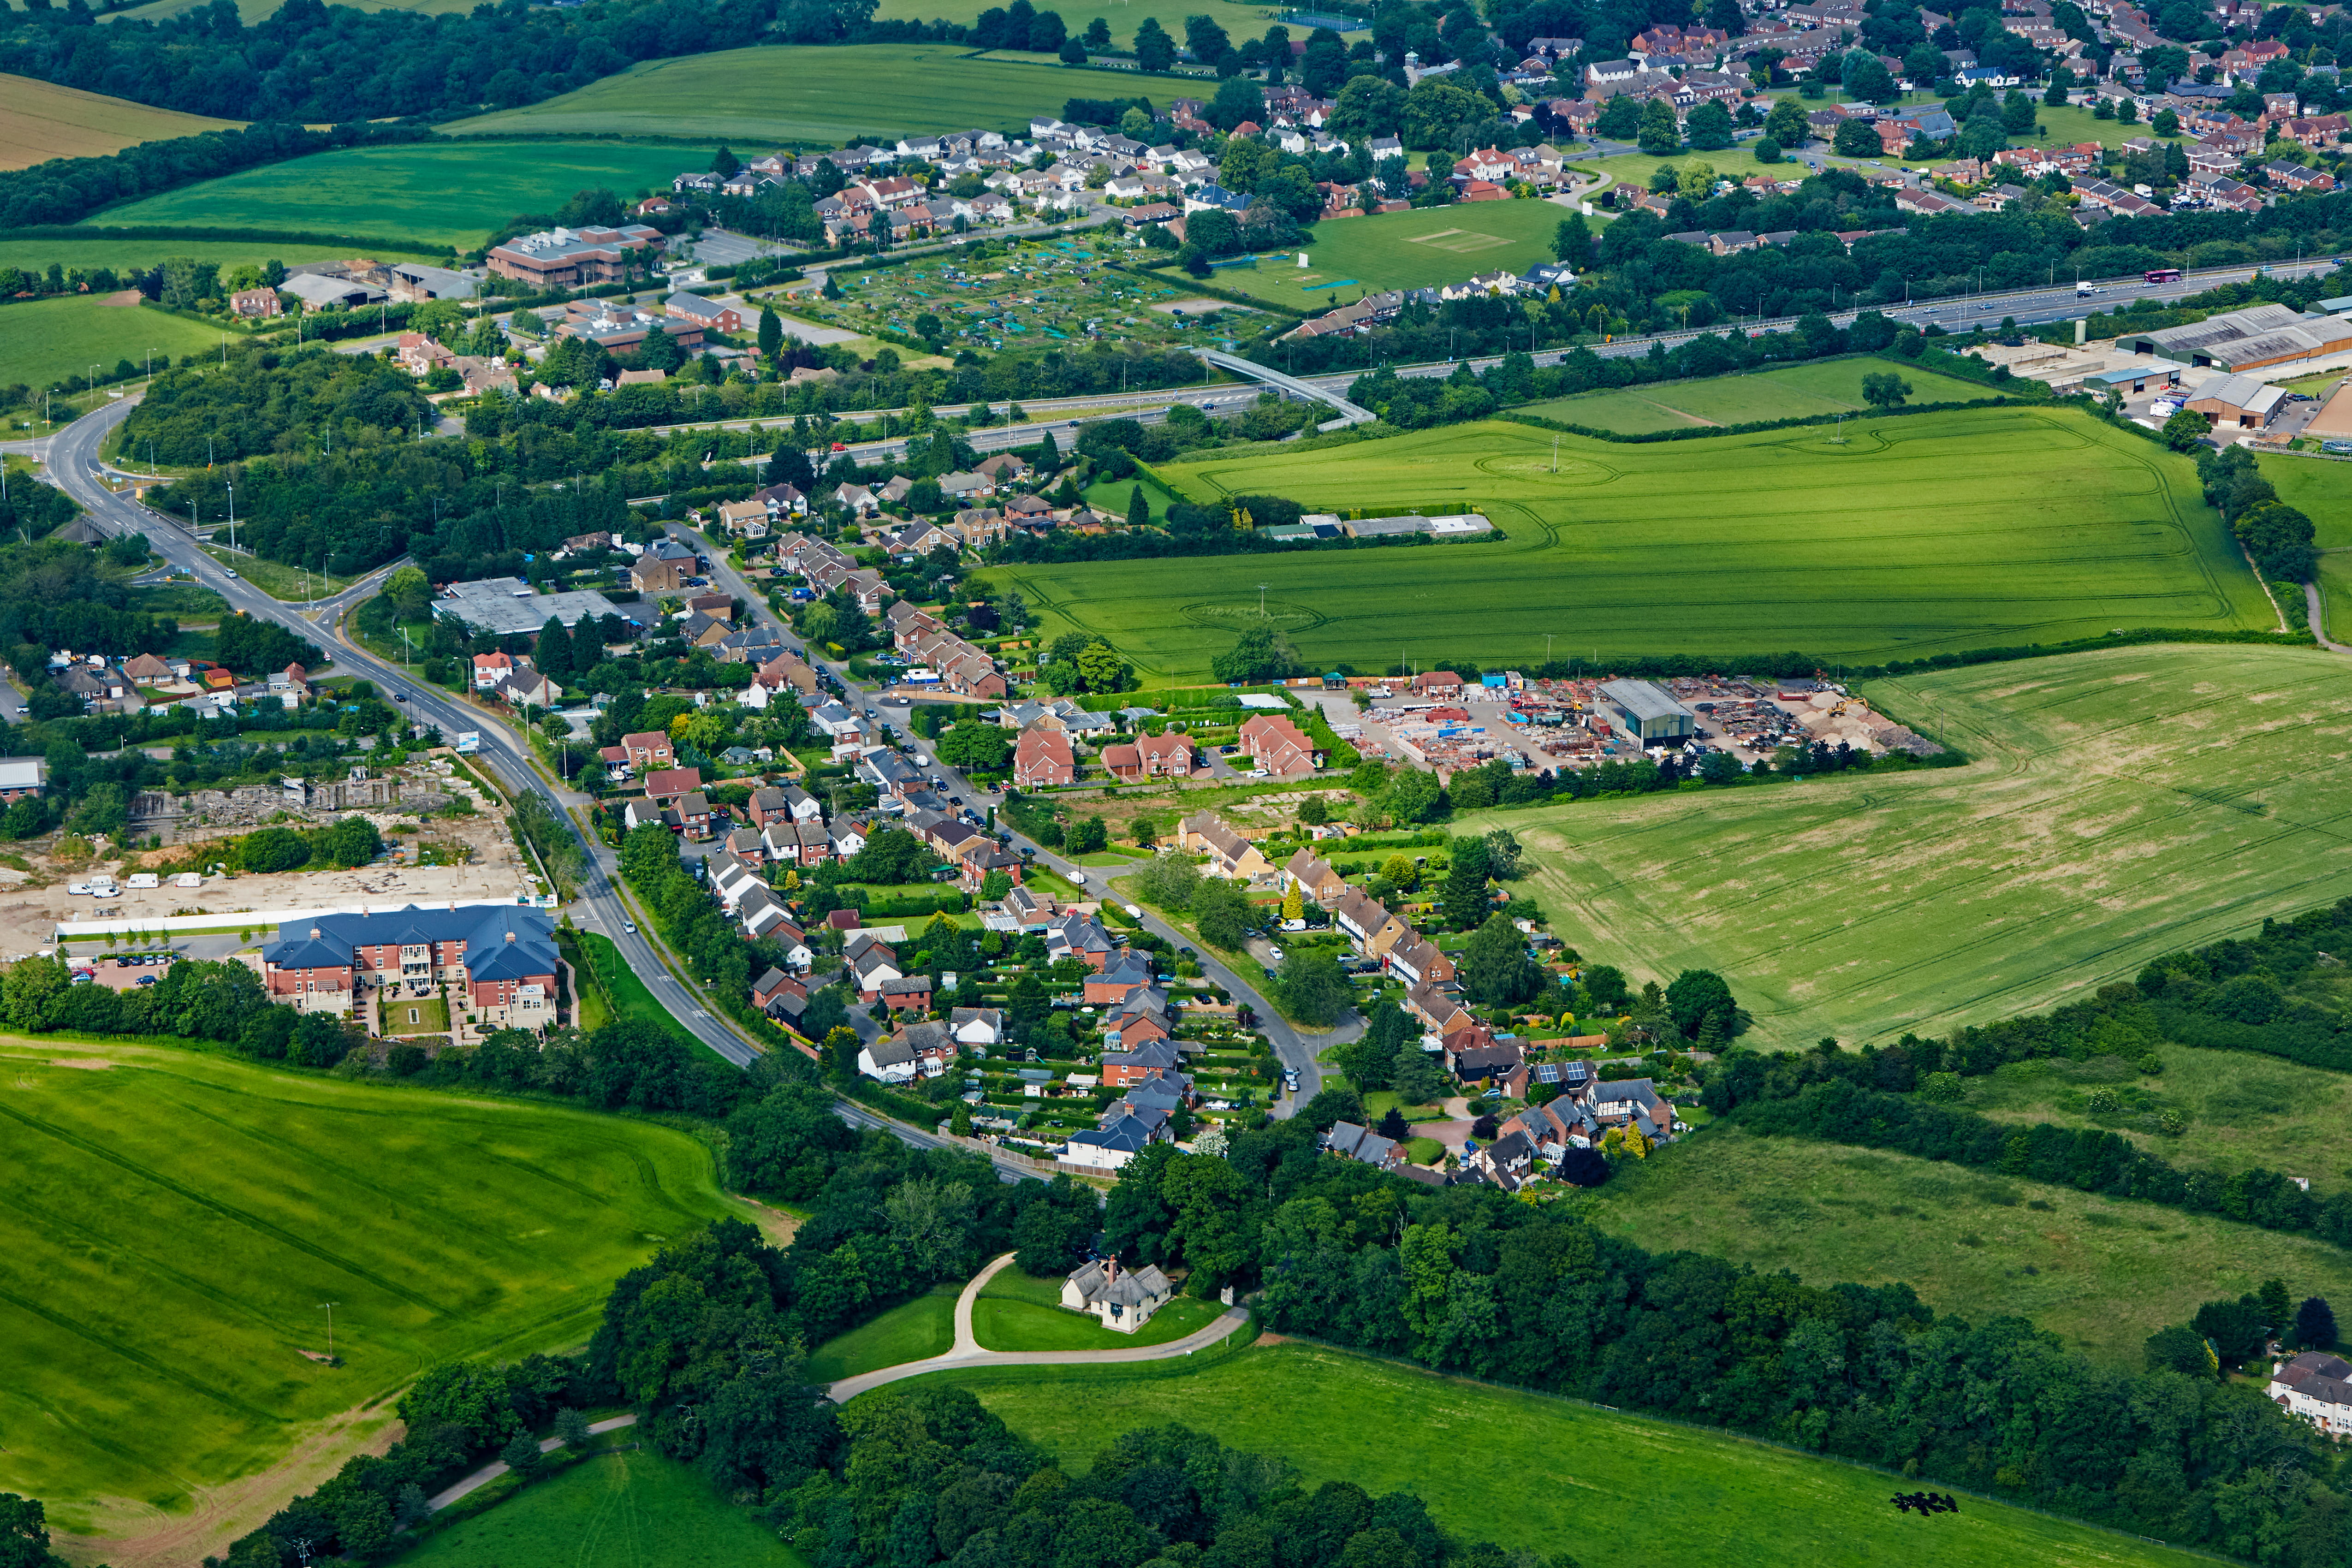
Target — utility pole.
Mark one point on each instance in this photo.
(232, 517)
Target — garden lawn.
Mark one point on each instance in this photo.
(44, 341)
(1904, 538)
(1016, 1311)
(1353, 257)
(624, 1510)
(440, 193)
(173, 1220)
(2124, 803)
(40, 121)
(910, 1330)
(424, 1015)
(1700, 1496)
(2100, 1274)
(759, 96)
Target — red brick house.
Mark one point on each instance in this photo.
(1044, 757)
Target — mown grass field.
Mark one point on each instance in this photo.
(127, 255)
(1865, 551)
(1793, 393)
(173, 1220)
(439, 193)
(910, 1330)
(1700, 1497)
(2320, 489)
(40, 121)
(629, 1510)
(2124, 804)
(2104, 1276)
(1016, 1311)
(1354, 256)
(762, 98)
(42, 341)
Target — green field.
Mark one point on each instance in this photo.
(42, 341)
(173, 1221)
(763, 98)
(1240, 21)
(2319, 488)
(128, 255)
(1864, 550)
(1353, 257)
(1700, 1497)
(2103, 1275)
(629, 1510)
(2124, 804)
(1016, 1311)
(1794, 393)
(40, 121)
(439, 193)
(910, 1330)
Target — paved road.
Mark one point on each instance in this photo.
(967, 1352)
(497, 1467)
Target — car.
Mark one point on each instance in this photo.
(226, 572)
(1275, 953)
(955, 800)
(1077, 875)
(400, 697)
(121, 961)
(841, 446)
(77, 890)
(146, 980)
(631, 928)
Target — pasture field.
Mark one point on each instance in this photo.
(137, 255)
(42, 341)
(1353, 257)
(907, 1331)
(254, 11)
(2320, 489)
(624, 1510)
(40, 121)
(1864, 550)
(2123, 804)
(2100, 1274)
(437, 193)
(1702, 1497)
(766, 98)
(1016, 1311)
(1793, 393)
(184, 1215)
(1240, 21)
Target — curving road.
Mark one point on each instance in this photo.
(496, 1467)
(967, 1352)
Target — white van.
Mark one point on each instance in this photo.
(1077, 875)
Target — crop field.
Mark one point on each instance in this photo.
(42, 341)
(626, 1509)
(1793, 393)
(1864, 550)
(1352, 257)
(439, 193)
(2102, 1275)
(1040, 293)
(1240, 21)
(2124, 803)
(137, 255)
(40, 121)
(184, 1215)
(1701, 1496)
(765, 98)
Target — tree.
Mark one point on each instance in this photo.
(1294, 904)
(1619, 119)
(1787, 124)
(974, 747)
(1313, 989)
(553, 654)
(1884, 390)
(2165, 123)
(2315, 1325)
(521, 1456)
(841, 1047)
(1496, 969)
(1368, 106)
(1572, 241)
(1695, 996)
(1867, 79)
(1659, 134)
(572, 1427)
(1259, 655)
(1855, 139)
(2280, 538)
(1314, 811)
(1463, 897)
(1502, 854)
(1418, 1079)
(2186, 429)
(1138, 508)
(724, 163)
(1709, 127)
(2278, 1306)
(772, 335)
(1155, 51)
(1335, 1104)
(2236, 1327)
(1100, 667)
(1767, 151)
(1222, 912)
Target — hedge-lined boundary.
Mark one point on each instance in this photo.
(1754, 427)
(168, 231)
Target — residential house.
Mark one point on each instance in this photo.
(1363, 1145)
(665, 568)
(2317, 1386)
(1313, 879)
(908, 993)
(648, 750)
(1118, 980)
(667, 787)
(1372, 926)
(1230, 854)
(1082, 937)
(1278, 747)
(1043, 758)
(1417, 960)
(976, 1028)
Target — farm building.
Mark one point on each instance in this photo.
(2249, 339)
(2244, 401)
(1643, 710)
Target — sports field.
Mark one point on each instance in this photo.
(1353, 257)
(40, 121)
(439, 193)
(612, 1510)
(173, 1220)
(1699, 1496)
(760, 98)
(1793, 393)
(2058, 527)
(2124, 803)
(44, 339)
(2103, 1276)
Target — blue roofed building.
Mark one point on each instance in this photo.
(498, 961)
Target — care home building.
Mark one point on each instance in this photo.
(502, 957)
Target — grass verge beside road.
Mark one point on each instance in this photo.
(623, 1510)
(285, 583)
(911, 1330)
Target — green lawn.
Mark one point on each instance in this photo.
(910, 1330)
(430, 1016)
(1016, 1311)
(760, 97)
(2335, 594)
(1863, 551)
(2103, 1275)
(1627, 412)
(1700, 1497)
(1352, 257)
(626, 1509)
(49, 339)
(280, 581)
(1834, 387)
(439, 193)
(184, 1215)
(2126, 803)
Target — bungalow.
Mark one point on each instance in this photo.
(1122, 1301)
(1363, 1145)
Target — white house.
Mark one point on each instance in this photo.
(2315, 1386)
(1122, 1299)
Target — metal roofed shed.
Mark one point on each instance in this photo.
(2246, 401)
(504, 605)
(1644, 710)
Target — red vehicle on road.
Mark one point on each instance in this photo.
(2161, 275)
